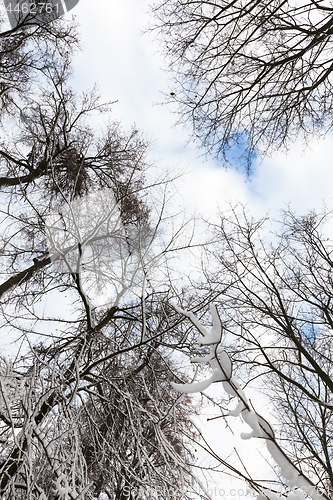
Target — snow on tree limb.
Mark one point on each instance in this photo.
(219, 360)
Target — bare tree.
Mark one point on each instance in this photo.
(83, 253)
(132, 435)
(60, 392)
(88, 333)
(249, 73)
(273, 328)
(28, 53)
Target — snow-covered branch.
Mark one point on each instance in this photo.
(300, 486)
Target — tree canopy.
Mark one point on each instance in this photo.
(256, 74)
(97, 321)
(272, 330)
(85, 406)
